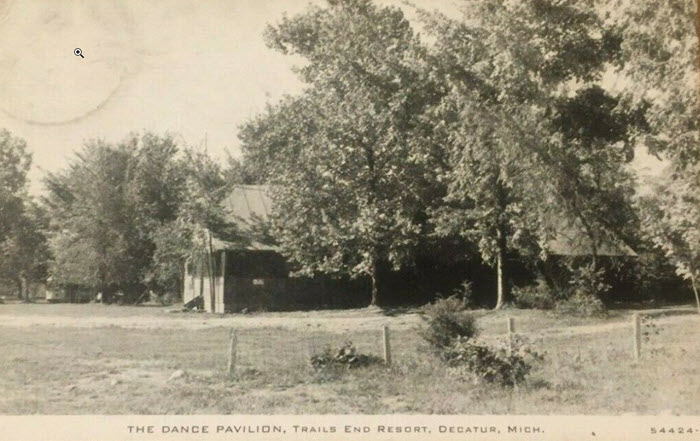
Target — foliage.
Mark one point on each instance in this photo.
(15, 162)
(447, 320)
(536, 296)
(672, 222)
(465, 293)
(450, 331)
(586, 287)
(660, 56)
(502, 367)
(24, 252)
(346, 357)
(587, 156)
(23, 245)
(650, 274)
(105, 208)
(581, 305)
(240, 172)
(200, 211)
(126, 216)
(529, 137)
(659, 59)
(349, 180)
(589, 281)
(173, 244)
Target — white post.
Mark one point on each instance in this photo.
(637, 336)
(387, 346)
(511, 333)
(233, 340)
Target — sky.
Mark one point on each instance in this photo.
(195, 68)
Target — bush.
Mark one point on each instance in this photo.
(538, 296)
(586, 280)
(465, 294)
(450, 331)
(587, 285)
(582, 305)
(167, 298)
(346, 357)
(447, 320)
(481, 363)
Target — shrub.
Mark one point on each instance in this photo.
(450, 331)
(447, 320)
(587, 286)
(481, 363)
(585, 280)
(581, 304)
(167, 298)
(538, 296)
(465, 294)
(346, 357)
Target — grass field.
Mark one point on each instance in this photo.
(94, 359)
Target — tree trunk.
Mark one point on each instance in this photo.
(106, 294)
(695, 290)
(502, 288)
(210, 269)
(371, 200)
(500, 302)
(19, 288)
(23, 291)
(592, 236)
(501, 243)
(181, 285)
(374, 278)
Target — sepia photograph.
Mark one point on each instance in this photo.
(349, 219)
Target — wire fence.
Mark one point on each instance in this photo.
(279, 349)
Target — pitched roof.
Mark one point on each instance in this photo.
(248, 203)
(248, 209)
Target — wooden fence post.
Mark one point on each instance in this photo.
(637, 336)
(387, 346)
(233, 340)
(511, 334)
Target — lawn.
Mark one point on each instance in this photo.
(123, 363)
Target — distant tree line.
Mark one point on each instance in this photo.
(496, 128)
(120, 219)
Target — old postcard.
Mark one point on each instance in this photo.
(349, 219)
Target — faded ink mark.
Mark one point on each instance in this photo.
(102, 104)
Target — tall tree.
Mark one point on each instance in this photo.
(508, 66)
(23, 250)
(661, 59)
(104, 208)
(188, 236)
(594, 142)
(672, 220)
(661, 55)
(15, 162)
(348, 179)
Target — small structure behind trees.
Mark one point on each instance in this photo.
(243, 269)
